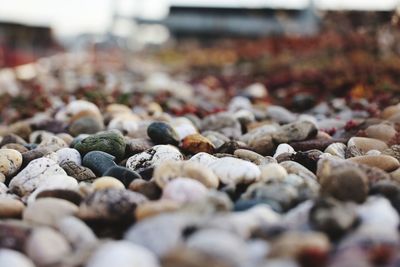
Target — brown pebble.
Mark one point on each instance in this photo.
(383, 162)
(196, 143)
(148, 188)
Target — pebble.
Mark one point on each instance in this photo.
(15, 146)
(148, 188)
(203, 158)
(364, 144)
(48, 211)
(260, 139)
(46, 246)
(153, 208)
(253, 157)
(10, 207)
(32, 175)
(184, 190)
(280, 114)
(216, 138)
(162, 133)
(68, 154)
(76, 232)
(10, 161)
(123, 174)
(110, 142)
(383, 162)
(80, 173)
(383, 132)
(137, 145)
(99, 162)
(272, 172)
(232, 171)
(153, 157)
(169, 170)
(296, 131)
(196, 143)
(72, 196)
(106, 182)
(223, 123)
(122, 254)
(298, 169)
(283, 148)
(10, 258)
(85, 125)
(337, 149)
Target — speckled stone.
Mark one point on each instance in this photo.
(109, 142)
(336, 149)
(364, 144)
(10, 161)
(20, 148)
(80, 173)
(68, 154)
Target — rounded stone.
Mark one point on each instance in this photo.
(77, 233)
(99, 162)
(67, 194)
(48, 211)
(203, 158)
(85, 125)
(123, 174)
(32, 175)
(10, 207)
(153, 208)
(122, 254)
(298, 169)
(106, 182)
(110, 142)
(169, 170)
(10, 161)
(345, 183)
(232, 171)
(162, 133)
(80, 173)
(296, 131)
(153, 157)
(272, 172)
(364, 144)
(260, 139)
(46, 246)
(383, 162)
(196, 143)
(12, 258)
(283, 148)
(383, 132)
(253, 157)
(184, 190)
(223, 123)
(337, 149)
(69, 154)
(148, 188)
(20, 148)
(216, 138)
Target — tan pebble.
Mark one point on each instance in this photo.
(107, 182)
(10, 161)
(383, 162)
(20, 148)
(66, 137)
(196, 143)
(117, 108)
(383, 132)
(323, 136)
(390, 111)
(396, 175)
(10, 207)
(364, 144)
(272, 171)
(156, 207)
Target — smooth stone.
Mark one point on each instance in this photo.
(337, 149)
(298, 169)
(230, 147)
(53, 141)
(32, 175)
(383, 132)
(12, 138)
(308, 159)
(153, 208)
(10, 161)
(296, 131)
(223, 123)
(12, 258)
(253, 157)
(272, 172)
(346, 183)
(10, 207)
(110, 142)
(66, 137)
(98, 161)
(80, 173)
(383, 162)
(320, 144)
(76, 232)
(69, 154)
(153, 157)
(331, 124)
(373, 153)
(184, 190)
(196, 143)
(364, 144)
(35, 153)
(162, 133)
(280, 114)
(184, 127)
(283, 148)
(85, 125)
(126, 123)
(220, 244)
(122, 254)
(378, 211)
(20, 148)
(111, 205)
(232, 171)
(46, 246)
(106, 182)
(123, 174)
(48, 211)
(390, 111)
(169, 170)
(203, 158)
(72, 196)
(148, 188)
(260, 139)
(137, 145)
(21, 128)
(37, 137)
(216, 138)
(75, 107)
(185, 257)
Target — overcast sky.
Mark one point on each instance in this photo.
(69, 17)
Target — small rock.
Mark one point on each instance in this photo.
(80, 173)
(253, 157)
(298, 169)
(10, 207)
(32, 175)
(383, 162)
(99, 162)
(48, 211)
(296, 131)
(123, 174)
(66, 194)
(52, 141)
(184, 190)
(383, 132)
(153, 208)
(122, 254)
(280, 114)
(336, 149)
(283, 148)
(169, 170)
(203, 158)
(196, 143)
(162, 133)
(69, 154)
(223, 123)
(232, 171)
(137, 145)
(10, 161)
(15, 146)
(272, 172)
(260, 139)
(153, 157)
(14, 258)
(77, 233)
(12, 138)
(216, 138)
(364, 144)
(110, 142)
(85, 125)
(148, 188)
(106, 182)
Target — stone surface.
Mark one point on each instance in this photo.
(80, 173)
(10, 207)
(10, 161)
(123, 174)
(68, 154)
(153, 208)
(196, 143)
(384, 162)
(364, 144)
(110, 142)
(184, 190)
(162, 133)
(76, 232)
(106, 182)
(295, 131)
(99, 162)
(223, 123)
(272, 172)
(337, 149)
(10, 258)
